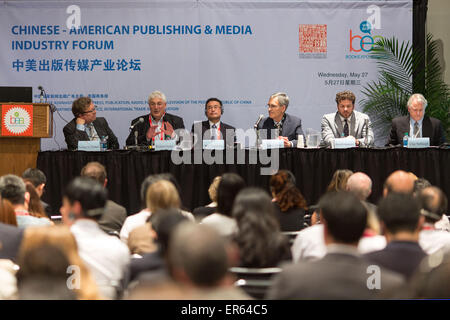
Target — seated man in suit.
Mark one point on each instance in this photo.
(158, 125)
(213, 128)
(285, 126)
(416, 124)
(346, 122)
(86, 126)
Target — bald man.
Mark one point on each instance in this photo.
(360, 184)
(399, 182)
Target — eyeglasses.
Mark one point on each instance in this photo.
(212, 107)
(272, 106)
(159, 104)
(93, 110)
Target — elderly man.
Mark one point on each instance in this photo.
(346, 122)
(416, 124)
(158, 125)
(285, 126)
(86, 126)
(398, 182)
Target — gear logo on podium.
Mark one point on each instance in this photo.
(17, 120)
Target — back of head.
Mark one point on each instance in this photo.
(399, 212)
(7, 214)
(360, 185)
(420, 184)
(96, 171)
(200, 252)
(34, 204)
(164, 222)
(399, 182)
(155, 178)
(229, 187)
(90, 194)
(282, 185)
(434, 203)
(212, 190)
(253, 201)
(345, 216)
(162, 195)
(35, 176)
(339, 180)
(12, 188)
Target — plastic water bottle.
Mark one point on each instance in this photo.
(103, 143)
(405, 140)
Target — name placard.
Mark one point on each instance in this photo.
(214, 144)
(272, 144)
(89, 145)
(344, 143)
(164, 145)
(418, 142)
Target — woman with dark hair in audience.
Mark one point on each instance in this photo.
(7, 214)
(259, 239)
(290, 205)
(35, 207)
(222, 220)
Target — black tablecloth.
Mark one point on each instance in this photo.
(313, 169)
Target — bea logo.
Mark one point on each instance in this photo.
(365, 43)
(16, 119)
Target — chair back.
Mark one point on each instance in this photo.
(254, 281)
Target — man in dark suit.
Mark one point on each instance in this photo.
(158, 125)
(213, 128)
(279, 124)
(114, 214)
(401, 220)
(343, 273)
(86, 126)
(10, 240)
(416, 124)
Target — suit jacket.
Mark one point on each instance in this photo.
(335, 276)
(431, 127)
(142, 128)
(204, 126)
(72, 135)
(292, 127)
(10, 240)
(332, 128)
(113, 217)
(400, 256)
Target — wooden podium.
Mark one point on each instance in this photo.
(20, 153)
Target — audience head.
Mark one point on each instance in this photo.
(229, 187)
(162, 195)
(35, 207)
(37, 178)
(7, 214)
(360, 185)
(399, 212)
(399, 182)
(154, 178)
(344, 217)
(212, 191)
(83, 198)
(434, 203)
(197, 255)
(13, 188)
(96, 171)
(339, 180)
(164, 223)
(287, 195)
(419, 185)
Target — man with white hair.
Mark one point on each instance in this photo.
(158, 125)
(416, 124)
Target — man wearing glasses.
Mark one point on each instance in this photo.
(158, 125)
(213, 128)
(280, 124)
(86, 126)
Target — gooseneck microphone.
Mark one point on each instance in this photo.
(140, 120)
(41, 96)
(261, 116)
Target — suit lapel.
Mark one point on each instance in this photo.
(353, 124)
(286, 124)
(338, 125)
(427, 129)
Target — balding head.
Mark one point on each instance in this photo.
(399, 182)
(96, 171)
(434, 201)
(360, 184)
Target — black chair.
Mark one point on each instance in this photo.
(254, 281)
(291, 235)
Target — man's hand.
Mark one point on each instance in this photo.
(287, 143)
(151, 132)
(80, 121)
(167, 129)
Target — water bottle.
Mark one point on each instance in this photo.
(405, 140)
(103, 143)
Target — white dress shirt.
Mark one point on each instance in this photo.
(432, 240)
(226, 226)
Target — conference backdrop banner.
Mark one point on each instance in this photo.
(241, 52)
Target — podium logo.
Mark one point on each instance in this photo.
(17, 120)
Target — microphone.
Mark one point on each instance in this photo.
(140, 120)
(261, 116)
(41, 97)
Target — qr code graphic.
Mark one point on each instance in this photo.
(312, 40)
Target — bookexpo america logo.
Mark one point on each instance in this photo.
(17, 120)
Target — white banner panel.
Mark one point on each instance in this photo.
(240, 52)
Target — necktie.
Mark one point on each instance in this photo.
(278, 129)
(416, 129)
(213, 132)
(90, 131)
(346, 128)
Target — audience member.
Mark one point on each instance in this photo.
(342, 273)
(39, 181)
(339, 180)
(35, 207)
(8, 289)
(400, 182)
(105, 256)
(114, 214)
(222, 221)
(10, 240)
(7, 214)
(401, 220)
(259, 240)
(290, 205)
(201, 212)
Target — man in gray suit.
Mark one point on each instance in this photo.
(343, 273)
(346, 122)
